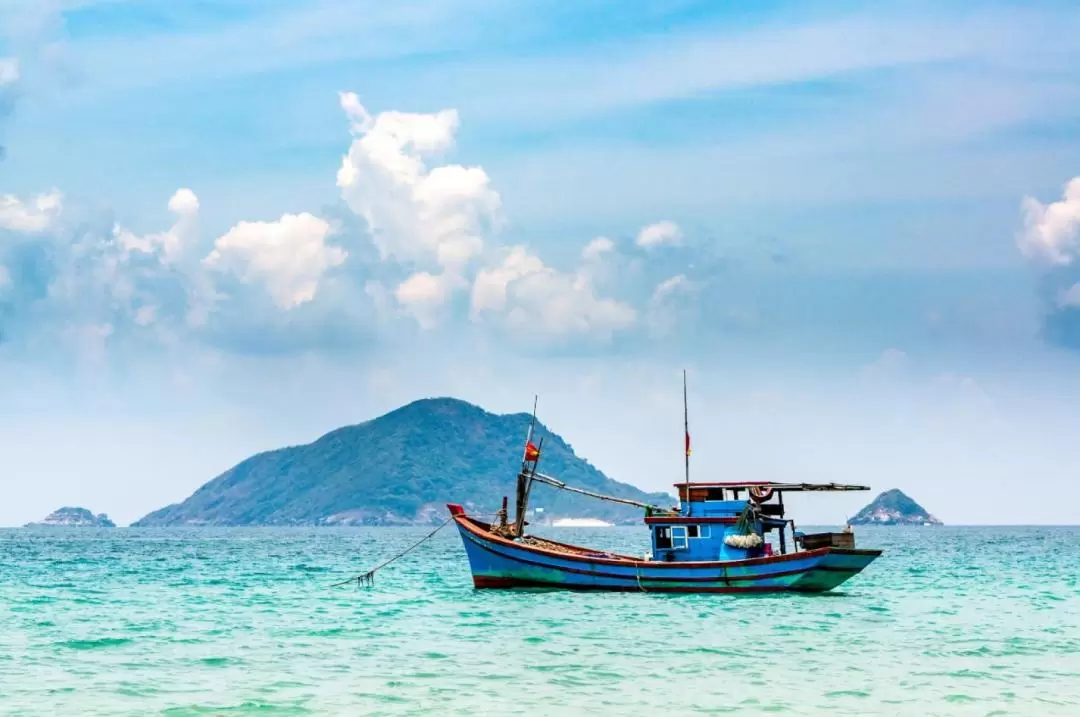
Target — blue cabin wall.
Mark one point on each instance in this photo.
(710, 543)
(714, 508)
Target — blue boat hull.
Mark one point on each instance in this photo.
(500, 563)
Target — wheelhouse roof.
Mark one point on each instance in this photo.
(794, 487)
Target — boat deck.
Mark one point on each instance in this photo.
(552, 545)
(556, 547)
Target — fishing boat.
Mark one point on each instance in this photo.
(719, 539)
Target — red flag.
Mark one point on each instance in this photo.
(532, 453)
(688, 443)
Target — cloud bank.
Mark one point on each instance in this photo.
(658, 234)
(415, 242)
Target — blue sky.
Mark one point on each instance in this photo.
(234, 225)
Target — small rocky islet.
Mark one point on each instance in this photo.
(893, 507)
(73, 517)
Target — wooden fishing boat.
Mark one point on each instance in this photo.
(718, 540)
(700, 548)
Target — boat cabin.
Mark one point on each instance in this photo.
(732, 521)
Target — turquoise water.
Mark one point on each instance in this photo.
(950, 621)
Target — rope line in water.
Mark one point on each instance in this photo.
(368, 578)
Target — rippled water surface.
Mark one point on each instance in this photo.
(950, 621)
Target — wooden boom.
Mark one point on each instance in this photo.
(554, 482)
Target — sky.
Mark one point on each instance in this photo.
(231, 226)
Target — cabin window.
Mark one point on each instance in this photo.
(697, 531)
(672, 537)
(714, 494)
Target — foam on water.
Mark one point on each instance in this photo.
(950, 621)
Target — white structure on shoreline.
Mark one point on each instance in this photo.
(581, 523)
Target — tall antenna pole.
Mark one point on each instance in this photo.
(686, 430)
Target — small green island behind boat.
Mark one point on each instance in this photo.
(715, 541)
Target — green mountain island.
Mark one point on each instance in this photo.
(402, 469)
(69, 517)
(893, 507)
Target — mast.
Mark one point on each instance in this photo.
(528, 438)
(524, 481)
(686, 431)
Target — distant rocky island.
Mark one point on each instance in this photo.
(893, 507)
(401, 469)
(69, 517)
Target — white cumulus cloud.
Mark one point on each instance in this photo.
(489, 288)
(434, 216)
(423, 294)
(1050, 230)
(653, 235)
(184, 202)
(289, 256)
(32, 216)
(597, 248)
(169, 245)
(669, 286)
(537, 301)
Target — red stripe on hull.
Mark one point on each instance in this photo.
(687, 519)
(499, 583)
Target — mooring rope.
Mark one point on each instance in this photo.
(368, 578)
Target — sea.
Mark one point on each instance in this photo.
(245, 621)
